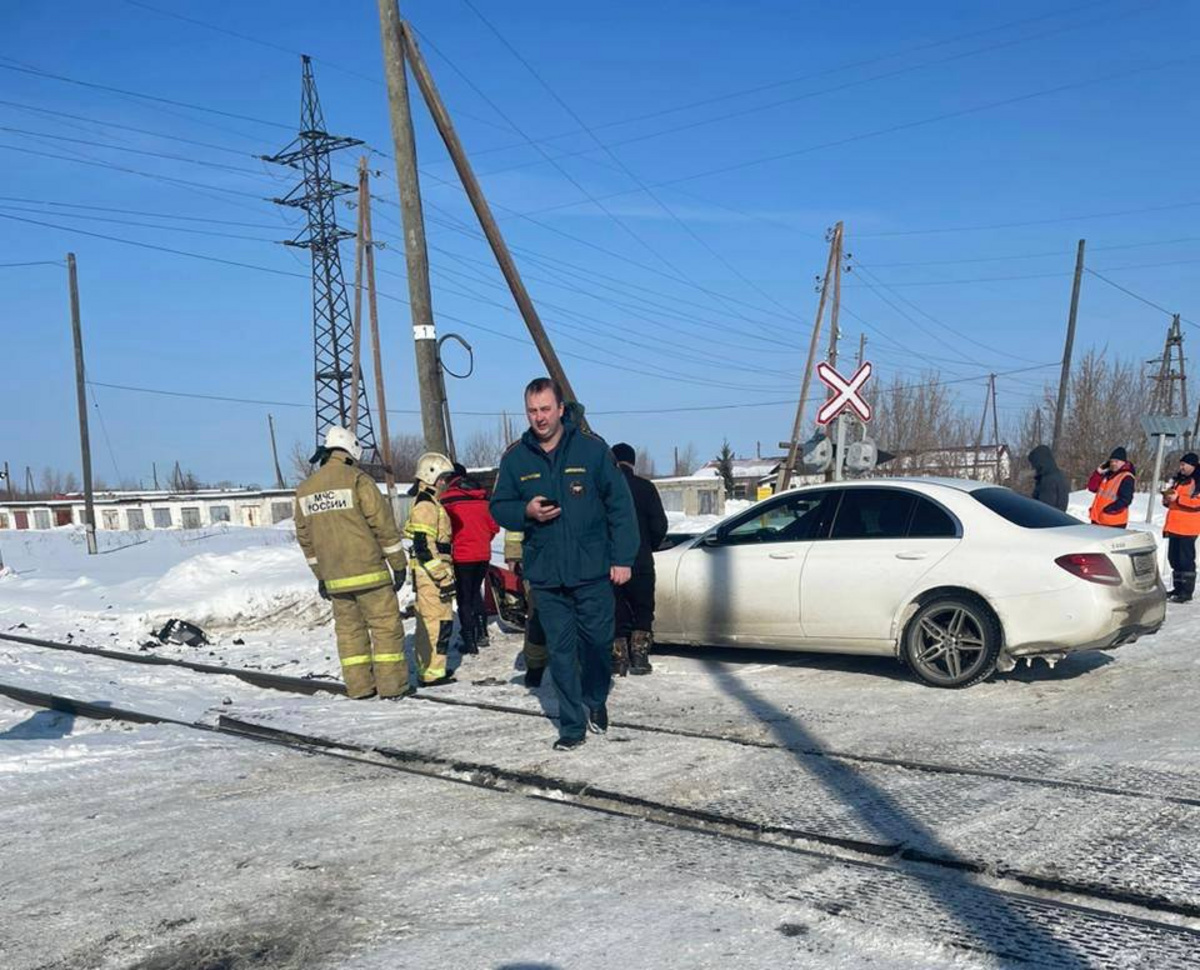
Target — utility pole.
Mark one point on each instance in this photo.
(982, 425)
(85, 445)
(483, 212)
(995, 429)
(415, 253)
(29, 489)
(835, 335)
(789, 463)
(862, 349)
(274, 454)
(368, 244)
(1064, 379)
(317, 197)
(154, 472)
(356, 365)
(8, 482)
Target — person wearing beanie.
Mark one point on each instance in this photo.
(634, 629)
(1181, 498)
(1113, 483)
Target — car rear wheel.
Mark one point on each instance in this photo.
(952, 641)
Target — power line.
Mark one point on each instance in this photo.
(137, 212)
(36, 262)
(1032, 222)
(846, 85)
(142, 225)
(131, 171)
(324, 62)
(902, 126)
(113, 124)
(134, 151)
(37, 72)
(643, 410)
(1128, 291)
(1056, 253)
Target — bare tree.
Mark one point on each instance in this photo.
(918, 421)
(298, 462)
(687, 460)
(1106, 400)
(406, 449)
(643, 463)
(483, 449)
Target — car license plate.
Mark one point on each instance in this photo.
(1143, 564)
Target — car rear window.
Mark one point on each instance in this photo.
(1022, 510)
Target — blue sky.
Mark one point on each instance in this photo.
(967, 147)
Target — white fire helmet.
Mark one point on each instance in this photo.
(431, 466)
(342, 438)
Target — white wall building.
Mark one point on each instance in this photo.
(136, 511)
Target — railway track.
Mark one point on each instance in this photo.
(784, 806)
(316, 685)
(951, 908)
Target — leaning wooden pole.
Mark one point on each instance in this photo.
(789, 464)
(483, 211)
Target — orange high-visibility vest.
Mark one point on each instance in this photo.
(1105, 496)
(1183, 514)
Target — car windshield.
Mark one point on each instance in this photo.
(1021, 510)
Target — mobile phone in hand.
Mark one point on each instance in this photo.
(549, 503)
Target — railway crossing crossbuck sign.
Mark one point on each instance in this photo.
(846, 393)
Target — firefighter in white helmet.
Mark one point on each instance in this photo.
(349, 537)
(428, 528)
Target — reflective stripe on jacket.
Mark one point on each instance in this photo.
(1183, 514)
(1106, 495)
(346, 528)
(428, 520)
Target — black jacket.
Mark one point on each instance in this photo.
(651, 519)
(1050, 484)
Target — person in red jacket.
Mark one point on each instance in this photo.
(472, 530)
(1181, 496)
(1113, 484)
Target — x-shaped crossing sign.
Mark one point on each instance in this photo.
(846, 394)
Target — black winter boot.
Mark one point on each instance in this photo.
(466, 633)
(639, 652)
(620, 657)
(1174, 584)
(533, 677)
(481, 631)
(1184, 588)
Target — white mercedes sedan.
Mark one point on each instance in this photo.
(955, 578)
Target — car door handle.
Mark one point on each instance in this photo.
(783, 555)
(914, 554)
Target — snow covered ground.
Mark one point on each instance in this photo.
(163, 847)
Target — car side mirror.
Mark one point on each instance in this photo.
(712, 540)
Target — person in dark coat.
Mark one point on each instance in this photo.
(634, 633)
(560, 487)
(1181, 498)
(1049, 483)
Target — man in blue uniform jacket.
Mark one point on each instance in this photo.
(561, 487)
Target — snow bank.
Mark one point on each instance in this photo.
(223, 580)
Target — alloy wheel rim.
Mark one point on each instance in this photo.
(949, 645)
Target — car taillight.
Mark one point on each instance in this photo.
(1095, 567)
